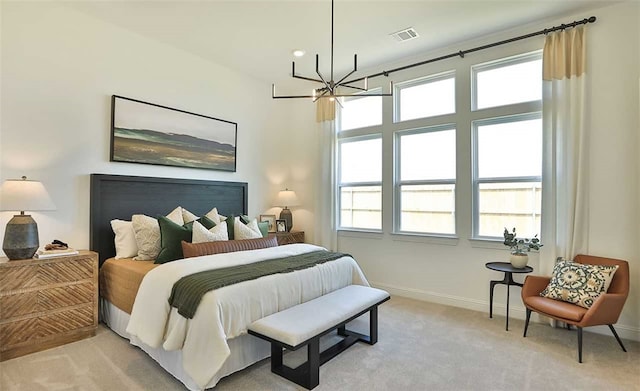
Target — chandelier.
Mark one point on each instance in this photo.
(329, 88)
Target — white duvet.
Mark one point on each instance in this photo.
(226, 313)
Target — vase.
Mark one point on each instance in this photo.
(519, 261)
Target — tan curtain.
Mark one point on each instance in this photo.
(325, 110)
(564, 54)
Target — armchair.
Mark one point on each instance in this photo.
(605, 310)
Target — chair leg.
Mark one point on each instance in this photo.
(617, 338)
(579, 344)
(526, 323)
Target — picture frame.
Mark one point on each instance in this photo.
(271, 219)
(148, 133)
(281, 225)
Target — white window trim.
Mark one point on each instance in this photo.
(398, 183)
(499, 63)
(416, 82)
(363, 129)
(476, 181)
(341, 184)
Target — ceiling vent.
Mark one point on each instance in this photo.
(405, 35)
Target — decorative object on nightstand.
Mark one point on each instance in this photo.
(47, 302)
(21, 235)
(288, 237)
(285, 199)
(520, 248)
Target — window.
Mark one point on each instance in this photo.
(361, 111)
(426, 97)
(507, 81)
(425, 185)
(360, 182)
(508, 175)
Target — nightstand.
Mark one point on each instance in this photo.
(47, 302)
(288, 237)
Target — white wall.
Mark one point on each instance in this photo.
(452, 271)
(59, 70)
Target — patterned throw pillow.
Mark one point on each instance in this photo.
(213, 215)
(248, 231)
(578, 283)
(202, 234)
(147, 232)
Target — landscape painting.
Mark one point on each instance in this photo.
(146, 133)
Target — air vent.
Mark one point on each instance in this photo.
(405, 35)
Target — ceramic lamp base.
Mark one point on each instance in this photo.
(286, 215)
(20, 237)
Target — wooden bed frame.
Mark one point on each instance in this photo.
(120, 196)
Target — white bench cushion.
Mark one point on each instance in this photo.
(304, 321)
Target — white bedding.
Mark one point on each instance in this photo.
(226, 313)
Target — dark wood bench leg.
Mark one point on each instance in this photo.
(276, 356)
(373, 325)
(313, 357)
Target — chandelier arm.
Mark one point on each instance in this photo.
(355, 68)
(353, 87)
(292, 96)
(327, 85)
(307, 78)
(356, 96)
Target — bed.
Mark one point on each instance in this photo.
(218, 331)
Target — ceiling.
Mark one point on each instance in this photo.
(257, 37)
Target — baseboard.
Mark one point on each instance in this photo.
(517, 312)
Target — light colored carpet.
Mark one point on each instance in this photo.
(421, 346)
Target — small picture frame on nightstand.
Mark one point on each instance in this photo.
(281, 225)
(271, 219)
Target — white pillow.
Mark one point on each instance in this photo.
(249, 231)
(201, 234)
(215, 217)
(147, 232)
(188, 216)
(125, 240)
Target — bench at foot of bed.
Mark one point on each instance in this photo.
(304, 324)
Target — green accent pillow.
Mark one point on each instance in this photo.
(172, 235)
(578, 283)
(264, 226)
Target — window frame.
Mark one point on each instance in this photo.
(358, 95)
(398, 87)
(476, 181)
(398, 182)
(495, 64)
(340, 184)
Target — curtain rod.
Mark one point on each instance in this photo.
(462, 53)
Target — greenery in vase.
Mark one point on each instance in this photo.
(520, 246)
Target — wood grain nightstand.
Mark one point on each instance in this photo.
(288, 237)
(47, 302)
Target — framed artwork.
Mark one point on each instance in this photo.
(281, 225)
(147, 133)
(271, 219)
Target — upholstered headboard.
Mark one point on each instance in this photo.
(119, 197)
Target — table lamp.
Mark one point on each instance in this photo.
(21, 234)
(285, 199)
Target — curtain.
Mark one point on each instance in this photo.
(325, 221)
(565, 222)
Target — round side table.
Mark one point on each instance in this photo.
(508, 271)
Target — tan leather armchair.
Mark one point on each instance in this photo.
(605, 310)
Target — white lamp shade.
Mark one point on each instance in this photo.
(20, 195)
(286, 198)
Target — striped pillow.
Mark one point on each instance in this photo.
(227, 246)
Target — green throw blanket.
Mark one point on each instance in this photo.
(188, 291)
